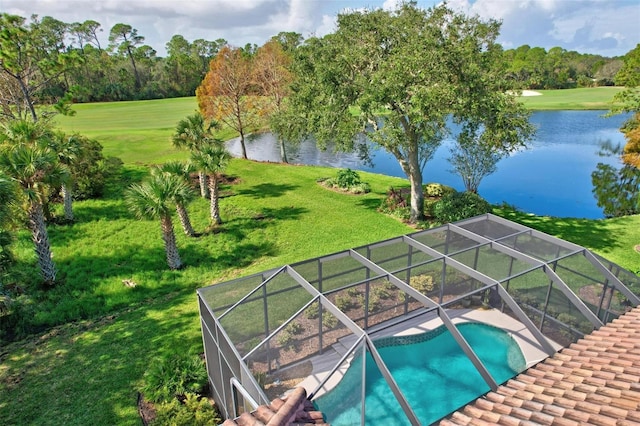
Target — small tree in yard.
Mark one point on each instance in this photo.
(212, 159)
(480, 147)
(472, 162)
(149, 200)
(184, 194)
(193, 132)
(68, 148)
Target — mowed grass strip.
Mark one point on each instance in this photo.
(137, 132)
(592, 98)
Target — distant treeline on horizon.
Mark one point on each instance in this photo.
(128, 69)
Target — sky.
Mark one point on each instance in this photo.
(605, 27)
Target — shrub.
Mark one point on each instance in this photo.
(92, 170)
(294, 327)
(193, 411)
(329, 320)
(374, 303)
(344, 302)
(567, 319)
(361, 188)
(381, 292)
(17, 318)
(423, 283)
(459, 205)
(347, 178)
(436, 190)
(285, 339)
(353, 292)
(313, 311)
(174, 375)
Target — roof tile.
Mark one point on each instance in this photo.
(521, 413)
(509, 421)
(562, 421)
(542, 418)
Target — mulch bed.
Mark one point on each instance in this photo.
(146, 410)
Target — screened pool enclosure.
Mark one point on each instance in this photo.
(303, 324)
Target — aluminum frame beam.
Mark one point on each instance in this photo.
(464, 345)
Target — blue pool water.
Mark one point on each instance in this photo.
(432, 371)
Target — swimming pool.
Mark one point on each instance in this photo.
(432, 371)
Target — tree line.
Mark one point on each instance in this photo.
(557, 68)
(49, 59)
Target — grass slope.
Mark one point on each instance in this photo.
(596, 98)
(86, 371)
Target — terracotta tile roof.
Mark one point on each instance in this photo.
(594, 381)
(292, 410)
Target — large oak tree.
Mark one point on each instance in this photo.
(398, 77)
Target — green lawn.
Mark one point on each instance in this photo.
(137, 132)
(86, 370)
(599, 98)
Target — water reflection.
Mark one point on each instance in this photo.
(553, 177)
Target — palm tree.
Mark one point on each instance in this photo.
(193, 133)
(7, 200)
(184, 194)
(25, 156)
(149, 200)
(212, 159)
(68, 148)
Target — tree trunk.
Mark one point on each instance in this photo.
(170, 246)
(417, 195)
(244, 148)
(41, 241)
(204, 189)
(46, 210)
(283, 151)
(68, 203)
(135, 70)
(214, 190)
(184, 220)
(411, 167)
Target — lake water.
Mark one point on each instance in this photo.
(552, 177)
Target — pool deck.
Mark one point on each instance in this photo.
(323, 364)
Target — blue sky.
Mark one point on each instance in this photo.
(606, 27)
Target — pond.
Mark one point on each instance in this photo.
(552, 177)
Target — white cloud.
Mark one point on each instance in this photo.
(390, 5)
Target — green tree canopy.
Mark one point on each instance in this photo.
(32, 60)
(405, 73)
